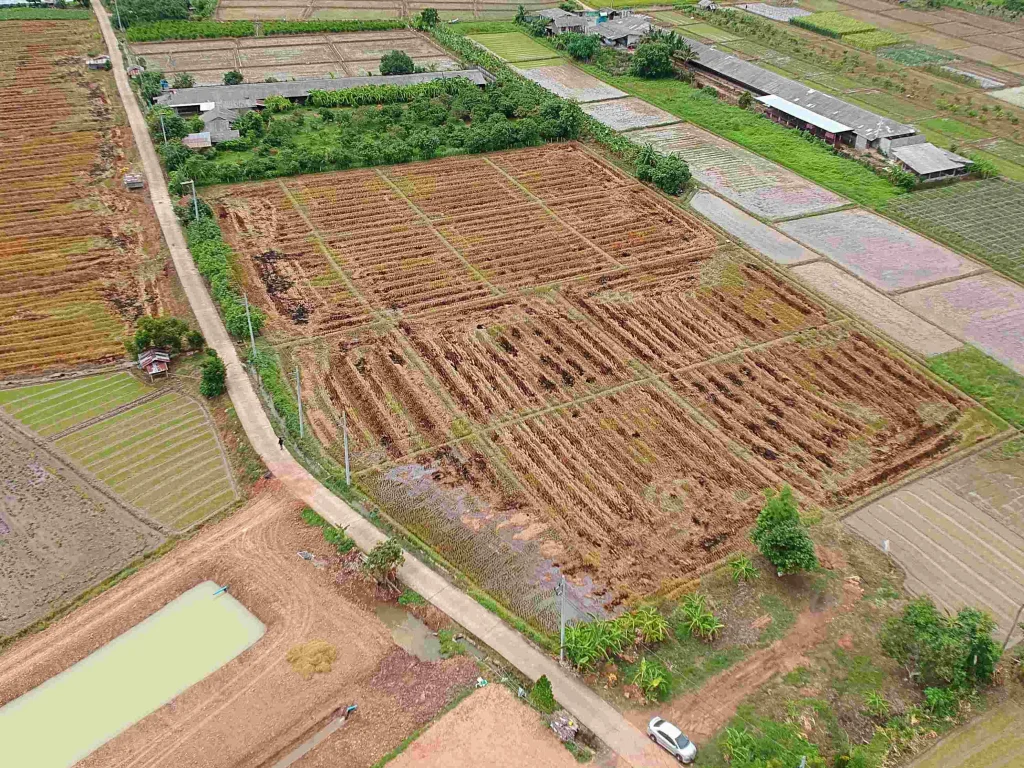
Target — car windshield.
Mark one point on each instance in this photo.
(682, 741)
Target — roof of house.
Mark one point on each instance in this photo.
(557, 14)
(153, 355)
(249, 95)
(218, 113)
(623, 27)
(926, 158)
(804, 114)
(863, 122)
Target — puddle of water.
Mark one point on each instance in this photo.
(410, 633)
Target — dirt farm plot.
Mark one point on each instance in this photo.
(985, 310)
(628, 114)
(257, 707)
(156, 449)
(59, 534)
(761, 187)
(886, 255)
(369, 9)
(347, 54)
(543, 363)
(984, 218)
(489, 728)
(571, 82)
(80, 256)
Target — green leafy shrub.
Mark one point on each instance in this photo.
(542, 696)
(214, 379)
(580, 47)
(427, 18)
(183, 80)
(652, 61)
(234, 77)
(167, 333)
(652, 678)
(941, 702)
(396, 63)
(876, 705)
(383, 562)
(781, 536)
(697, 617)
(771, 745)
(743, 568)
(940, 650)
(590, 643)
(411, 597)
(449, 645)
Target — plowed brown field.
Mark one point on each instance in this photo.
(72, 239)
(549, 369)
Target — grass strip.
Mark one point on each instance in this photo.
(195, 30)
(44, 14)
(985, 379)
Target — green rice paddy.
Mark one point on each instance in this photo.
(954, 128)
(514, 46)
(708, 32)
(163, 456)
(51, 408)
(71, 715)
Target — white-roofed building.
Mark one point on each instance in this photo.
(795, 116)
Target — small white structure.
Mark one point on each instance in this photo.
(134, 181)
(626, 32)
(708, 5)
(100, 62)
(198, 140)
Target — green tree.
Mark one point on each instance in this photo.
(144, 11)
(521, 14)
(163, 332)
(941, 650)
(580, 47)
(214, 381)
(781, 536)
(251, 125)
(652, 60)
(396, 63)
(427, 18)
(745, 100)
(384, 561)
(183, 80)
(234, 77)
(195, 340)
(173, 125)
(542, 696)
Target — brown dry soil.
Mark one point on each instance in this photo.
(59, 533)
(490, 728)
(257, 707)
(548, 368)
(81, 257)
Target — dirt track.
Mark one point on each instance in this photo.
(257, 706)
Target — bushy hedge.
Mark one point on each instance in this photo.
(213, 259)
(194, 30)
(388, 94)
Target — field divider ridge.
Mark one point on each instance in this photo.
(114, 412)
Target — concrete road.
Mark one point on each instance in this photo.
(600, 717)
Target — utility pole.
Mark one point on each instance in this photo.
(560, 591)
(248, 319)
(298, 393)
(1013, 626)
(344, 432)
(162, 129)
(195, 200)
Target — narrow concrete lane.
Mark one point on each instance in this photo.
(596, 714)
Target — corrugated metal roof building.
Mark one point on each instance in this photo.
(869, 128)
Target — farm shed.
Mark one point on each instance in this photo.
(931, 163)
(867, 128)
(246, 96)
(217, 122)
(154, 362)
(795, 116)
(134, 181)
(100, 62)
(560, 21)
(626, 32)
(197, 140)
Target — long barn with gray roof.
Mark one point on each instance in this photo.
(868, 128)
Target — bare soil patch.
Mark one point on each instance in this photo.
(59, 535)
(258, 707)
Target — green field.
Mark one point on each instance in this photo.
(891, 106)
(954, 128)
(876, 38)
(832, 24)
(995, 740)
(163, 456)
(983, 218)
(51, 408)
(708, 32)
(71, 715)
(513, 46)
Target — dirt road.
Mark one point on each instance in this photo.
(609, 725)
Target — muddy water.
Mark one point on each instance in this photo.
(410, 633)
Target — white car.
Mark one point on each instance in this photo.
(670, 738)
